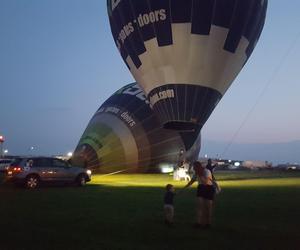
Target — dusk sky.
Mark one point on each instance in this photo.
(58, 64)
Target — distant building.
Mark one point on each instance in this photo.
(256, 164)
(288, 166)
(225, 164)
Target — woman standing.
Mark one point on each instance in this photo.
(205, 195)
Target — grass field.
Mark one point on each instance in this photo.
(255, 210)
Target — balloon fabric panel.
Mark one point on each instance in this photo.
(145, 20)
(124, 134)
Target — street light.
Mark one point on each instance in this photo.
(31, 148)
(5, 151)
(1, 145)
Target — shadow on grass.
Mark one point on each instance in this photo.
(110, 217)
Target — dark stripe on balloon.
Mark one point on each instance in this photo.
(132, 42)
(254, 19)
(202, 14)
(181, 11)
(114, 30)
(257, 29)
(223, 13)
(163, 29)
(206, 106)
(160, 112)
(140, 8)
(238, 25)
(135, 38)
(196, 110)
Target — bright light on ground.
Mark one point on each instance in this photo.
(166, 168)
(237, 164)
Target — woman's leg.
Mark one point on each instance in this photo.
(207, 207)
(199, 210)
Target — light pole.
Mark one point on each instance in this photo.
(1, 145)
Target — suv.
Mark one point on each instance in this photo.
(31, 171)
(4, 164)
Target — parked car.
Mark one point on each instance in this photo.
(4, 164)
(32, 171)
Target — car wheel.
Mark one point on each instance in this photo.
(32, 182)
(81, 180)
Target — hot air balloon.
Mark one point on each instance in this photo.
(124, 134)
(185, 53)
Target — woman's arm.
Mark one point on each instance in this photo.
(190, 182)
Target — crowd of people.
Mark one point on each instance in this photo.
(206, 191)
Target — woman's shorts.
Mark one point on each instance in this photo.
(206, 191)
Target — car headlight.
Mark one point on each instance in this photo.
(89, 172)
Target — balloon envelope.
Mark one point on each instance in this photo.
(185, 53)
(124, 134)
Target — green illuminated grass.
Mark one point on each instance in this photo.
(256, 210)
(226, 179)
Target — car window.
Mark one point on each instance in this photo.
(5, 161)
(59, 163)
(16, 162)
(41, 162)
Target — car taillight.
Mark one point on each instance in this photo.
(16, 169)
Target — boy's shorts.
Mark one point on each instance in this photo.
(169, 211)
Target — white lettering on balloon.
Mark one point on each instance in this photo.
(124, 115)
(152, 17)
(125, 32)
(128, 119)
(142, 21)
(136, 91)
(114, 4)
(162, 95)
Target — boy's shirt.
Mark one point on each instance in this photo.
(169, 198)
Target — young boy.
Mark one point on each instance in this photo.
(168, 204)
